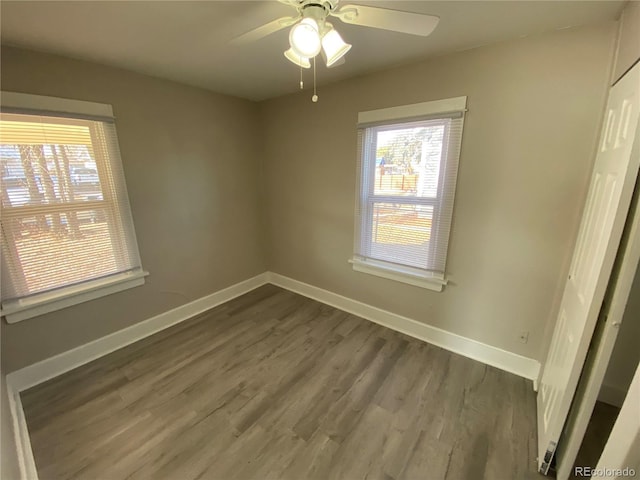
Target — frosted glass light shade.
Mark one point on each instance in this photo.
(305, 39)
(297, 59)
(334, 47)
(339, 62)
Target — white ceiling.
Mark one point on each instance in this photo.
(187, 41)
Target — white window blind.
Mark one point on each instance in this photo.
(407, 170)
(66, 220)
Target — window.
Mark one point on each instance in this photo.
(407, 169)
(67, 231)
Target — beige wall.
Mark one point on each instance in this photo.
(535, 106)
(191, 164)
(194, 162)
(628, 50)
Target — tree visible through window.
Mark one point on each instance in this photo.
(65, 213)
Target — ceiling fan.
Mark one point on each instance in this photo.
(311, 34)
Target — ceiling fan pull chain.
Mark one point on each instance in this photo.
(301, 81)
(314, 99)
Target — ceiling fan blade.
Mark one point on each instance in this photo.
(264, 30)
(387, 19)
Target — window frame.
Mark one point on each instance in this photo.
(18, 309)
(371, 123)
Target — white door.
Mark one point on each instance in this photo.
(602, 344)
(612, 182)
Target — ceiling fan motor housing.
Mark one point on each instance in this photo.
(328, 5)
(317, 10)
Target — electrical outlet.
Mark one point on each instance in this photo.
(523, 337)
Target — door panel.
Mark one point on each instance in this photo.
(608, 200)
(602, 344)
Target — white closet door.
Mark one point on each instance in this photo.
(610, 192)
(602, 346)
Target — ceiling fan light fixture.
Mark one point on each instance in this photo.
(337, 63)
(297, 59)
(305, 38)
(334, 47)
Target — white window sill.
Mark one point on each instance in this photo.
(380, 269)
(39, 304)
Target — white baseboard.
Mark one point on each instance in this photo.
(496, 357)
(612, 395)
(26, 462)
(39, 372)
(44, 370)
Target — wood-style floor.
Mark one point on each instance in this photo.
(273, 385)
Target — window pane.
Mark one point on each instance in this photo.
(48, 174)
(61, 248)
(401, 233)
(408, 160)
(65, 214)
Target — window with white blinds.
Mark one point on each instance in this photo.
(66, 221)
(407, 170)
